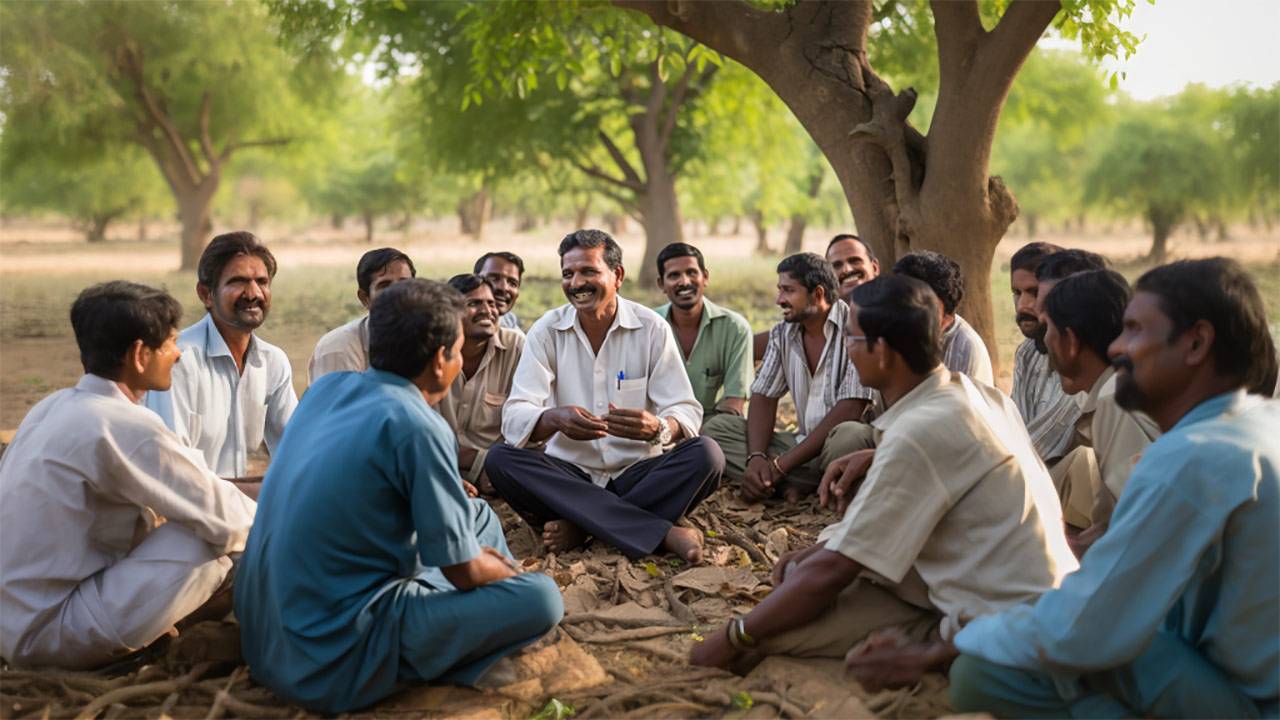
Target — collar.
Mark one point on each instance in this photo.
(98, 385)
(1089, 400)
(837, 316)
(215, 345)
(1227, 402)
(931, 383)
(956, 322)
(624, 317)
(710, 311)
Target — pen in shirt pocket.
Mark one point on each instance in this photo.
(622, 375)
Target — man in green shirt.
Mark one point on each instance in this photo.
(715, 342)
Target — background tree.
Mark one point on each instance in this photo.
(190, 83)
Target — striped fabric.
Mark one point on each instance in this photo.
(1050, 414)
(964, 352)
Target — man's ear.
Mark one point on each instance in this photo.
(438, 361)
(620, 272)
(658, 282)
(204, 293)
(363, 297)
(136, 357)
(1072, 343)
(1200, 347)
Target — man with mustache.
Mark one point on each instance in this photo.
(1173, 610)
(1049, 413)
(1083, 314)
(347, 347)
(601, 382)
(714, 341)
(473, 406)
(806, 358)
(233, 389)
(504, 271)
(962, 348)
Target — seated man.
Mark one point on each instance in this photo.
(347, 347)
(504, 271)
(473, 407)
(963, 350)
(807, 358)
(600, 380)
(715, 342)
(234, 389)
(368, 566)
(1049, 413)
(90, 573)
(1173, 611)
(956, 518)
(1083, 314)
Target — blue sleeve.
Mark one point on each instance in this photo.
(441, 514)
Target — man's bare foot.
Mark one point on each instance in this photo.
(562, 535)
(685, 543)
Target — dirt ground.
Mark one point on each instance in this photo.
(622, 647)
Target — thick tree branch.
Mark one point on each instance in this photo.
(673, 109)
(129, 61)
(958, 29)
(232, 147)
(1018, 31)
(599, 174)
(619, 159)
(206, 141)
(887, 128)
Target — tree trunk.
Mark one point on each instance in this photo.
(737, 226)
(1221, 226)
(473, 212)
(336, 221)
(1202, 228)
(526, 221)
(1162, 226)
(1032, 225)
(367, 218)
(197, 228)
(255, 214)
(713, 226)
(142, 228)
(762, 233)
(96, 229)
(795, 232)
(581, 212)
(659, 210)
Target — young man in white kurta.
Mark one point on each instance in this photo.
(346, 347)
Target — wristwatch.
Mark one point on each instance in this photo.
(663, 436)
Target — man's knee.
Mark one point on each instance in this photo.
(970, 685)
(542, 601)
(497, 460)
(724, 426)
(710, 457)
(848, 437)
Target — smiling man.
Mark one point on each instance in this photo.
(504, 271)
(233, 389)
(853, 261)
(715, 342)
(347, 347)
(473, 406)
(601, 382)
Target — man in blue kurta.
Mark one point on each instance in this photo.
(1173, 613)
(367, 565)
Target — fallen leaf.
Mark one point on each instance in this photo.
(717, 580)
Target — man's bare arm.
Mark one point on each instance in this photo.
(842, 411)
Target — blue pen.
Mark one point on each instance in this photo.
(621, 376)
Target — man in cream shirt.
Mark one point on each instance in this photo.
(956, 518)
(88, 576)
(602, 382)
(347, 347)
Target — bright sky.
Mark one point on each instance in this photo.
(1214, 42)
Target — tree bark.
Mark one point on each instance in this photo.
(197, 227)
(762, 233)
(581, 212)
(907, 191)
(1163, 223)
(367, 218)
(795, 231)
(142, 228)
(473, 213)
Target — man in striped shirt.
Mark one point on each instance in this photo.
(962, 348)
(805, 357)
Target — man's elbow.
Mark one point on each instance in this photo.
(462, 576)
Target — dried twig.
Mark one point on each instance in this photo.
(678, 608)
(735, 537)
(132, 691)
(643, 633)
(579, 618)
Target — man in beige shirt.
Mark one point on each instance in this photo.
(1083, 314)
(347, 347)
(956, 518)
(473, 407)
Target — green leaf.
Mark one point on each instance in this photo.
(743, 700)
(554, 710)
(652, 569)
(562, 79)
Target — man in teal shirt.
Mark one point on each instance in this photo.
(1173, 612)
(715, 342)
(367, 565)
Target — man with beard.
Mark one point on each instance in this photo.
(1173, 610)
(714, 341)
(347, 347)
(1083, 314)
(504, 271)
(601, 382)
(1049, 413)
(233, 389)
(473, 406)
(962, 348)
(806, 357)
(956, 518)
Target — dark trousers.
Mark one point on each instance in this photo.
(633, 512)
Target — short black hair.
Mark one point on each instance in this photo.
(466, 282)
(677, 250)
(1219, 290)
(938, 271)
(1090, 304)
(812, 271)
(409, 322)
(1069, 262)
(901, 311)
(593, 239)
(375, 261)
(107, 318)
(1028, 256)
(226, 246)
(871, 254)
(510, 257)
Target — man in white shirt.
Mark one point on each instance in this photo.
(957, 516)
(504, 271)
(602, 382)
(235, 389)
(90, 573)
(347, 347)
(963, 350)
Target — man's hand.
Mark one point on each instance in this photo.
(576, 423)
(759, 480)
(469, 489)
(795, 557)
(839, 481)
(1081, 541)
(515, 568)
(888, 659)
(714, 650)
(632, 423)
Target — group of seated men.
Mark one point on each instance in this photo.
(1104, 542)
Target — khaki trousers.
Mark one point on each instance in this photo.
(730, 432)
(1079, 482)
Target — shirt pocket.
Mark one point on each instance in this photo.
(193, 427)
(631, 394)
(489, 412)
